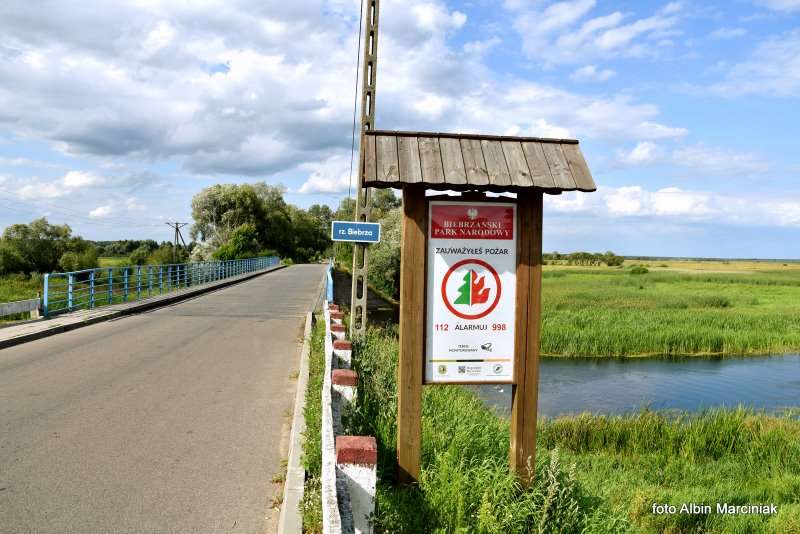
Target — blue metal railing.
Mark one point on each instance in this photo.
(90, 288)
(329, 284)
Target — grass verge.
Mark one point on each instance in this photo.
(593, 473)
(311, 505)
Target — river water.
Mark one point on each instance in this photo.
(615, 386)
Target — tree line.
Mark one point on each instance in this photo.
(584, 258)
(235, 221)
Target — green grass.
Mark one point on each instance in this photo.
(311, 506)
(610, 312)
(593, 473)
(18, 287)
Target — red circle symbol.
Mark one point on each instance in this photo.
(487, 311)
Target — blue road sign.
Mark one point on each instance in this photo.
(359, 232)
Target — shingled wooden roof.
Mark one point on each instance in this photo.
(462, 161)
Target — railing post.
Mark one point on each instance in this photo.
(46, 295)
(150, 280)
(169, 277)
(138, 282)
(125, 284)
(91, 289)
(70, 280)
(110, 285)
(160, 279)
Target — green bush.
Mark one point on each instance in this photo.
(140, 255)
(166, 255)
(78, 261)
(639, 269)
(11, 260)
(242, 244)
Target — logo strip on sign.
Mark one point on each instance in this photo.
(471, 292)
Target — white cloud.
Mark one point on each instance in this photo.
(624, 201)
(101, 212)
(786, 6)
(644, 152)
(677, 205)
(330, 176)
(704, 159)
(728, 33)
(565, 32)
(772, 69)
(481, 47)
(720, 161)
(226, 88)
(133, 204)
(592, 73)
(36, 189)
(80, 179)
(26, 162)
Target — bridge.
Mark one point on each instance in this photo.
(171, 420)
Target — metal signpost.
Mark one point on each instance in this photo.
(471, 292)
(355, 232)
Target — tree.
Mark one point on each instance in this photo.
(39, 244)
(220, 209)
(309, 236)
(384, 269)
(383, 201)
(11, 261)
(242, 244)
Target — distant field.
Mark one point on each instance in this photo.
(720, 266)
(679, 308)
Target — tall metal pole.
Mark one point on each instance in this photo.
(358, 296)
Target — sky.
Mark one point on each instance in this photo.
(114, 114)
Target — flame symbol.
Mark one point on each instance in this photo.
(479, 294)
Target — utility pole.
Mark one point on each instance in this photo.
(177, 227)
(358, 296)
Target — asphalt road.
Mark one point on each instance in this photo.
(168, 421)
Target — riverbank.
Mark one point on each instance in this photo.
(594, 473)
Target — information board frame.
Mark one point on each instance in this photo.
(480, 364)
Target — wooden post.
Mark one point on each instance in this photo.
(525, 393)
(412, 328)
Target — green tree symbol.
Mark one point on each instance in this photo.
(464, 290)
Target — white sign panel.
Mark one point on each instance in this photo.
(471, 292)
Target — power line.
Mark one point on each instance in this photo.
(355, 99)
(177, 227)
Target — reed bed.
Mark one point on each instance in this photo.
(610, 312)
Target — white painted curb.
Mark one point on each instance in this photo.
(291, 520)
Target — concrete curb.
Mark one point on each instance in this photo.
(145, 305)
(290, 520)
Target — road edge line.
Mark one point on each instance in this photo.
(290, 520)
(144, 305)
